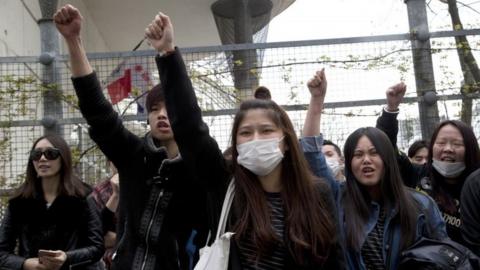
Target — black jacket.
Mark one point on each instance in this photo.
(70, 224)
(423, 178)
(159, 203)
(470, 209)
(411, 173)
(201, 152)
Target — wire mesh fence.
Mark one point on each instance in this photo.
(359, 70)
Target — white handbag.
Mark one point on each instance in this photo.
(215, 257)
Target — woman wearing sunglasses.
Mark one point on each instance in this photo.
(49, 216)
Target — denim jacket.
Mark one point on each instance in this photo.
(430, 223)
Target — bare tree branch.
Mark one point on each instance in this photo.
(469, 7)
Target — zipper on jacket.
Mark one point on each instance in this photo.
(149, 228)
(152, 219)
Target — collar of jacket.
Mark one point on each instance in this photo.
(158, 155)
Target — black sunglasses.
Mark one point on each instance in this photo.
(49, 153)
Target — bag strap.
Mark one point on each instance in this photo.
(227, 203)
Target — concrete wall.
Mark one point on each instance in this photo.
(93, 40)
(20, 35)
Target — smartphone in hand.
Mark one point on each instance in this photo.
(46, 253)
(42, 253)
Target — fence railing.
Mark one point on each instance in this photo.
(359, 70)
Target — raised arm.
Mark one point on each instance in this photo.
(68, 21)
(312, 139)
(388, 123)
(198, 149)
(317, 86)
(106, 127)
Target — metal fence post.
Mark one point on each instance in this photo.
(422, 65)
(244, 60)
(52, 106)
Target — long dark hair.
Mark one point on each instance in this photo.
(471, 159)
(472, 152)
(69, 183)
(357, 200)
(308, 225)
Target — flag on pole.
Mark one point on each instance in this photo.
(121, 87)
(130, 78)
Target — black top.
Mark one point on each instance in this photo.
(275, 259)
(373, 246)
(470, 208)
(201, 153)
(160, 202)
(446, 196)
(70, 224)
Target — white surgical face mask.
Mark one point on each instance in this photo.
(334, 165)
(260, 156)
(448, 169)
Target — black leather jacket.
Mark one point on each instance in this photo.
(70, 224)
(159, 204)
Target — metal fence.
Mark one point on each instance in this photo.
(359, 70)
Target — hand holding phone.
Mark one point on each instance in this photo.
(52, 259)
(43, 253)
(46, 253)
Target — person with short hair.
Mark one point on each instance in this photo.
(160, 203)
(418, 152)
(335, 159)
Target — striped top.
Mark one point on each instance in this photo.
(373, 246)
(276, 258)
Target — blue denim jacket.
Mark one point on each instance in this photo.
(430, 223)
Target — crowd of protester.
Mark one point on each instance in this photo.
(274, 200)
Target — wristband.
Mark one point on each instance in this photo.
(387, 111)
(165, 53)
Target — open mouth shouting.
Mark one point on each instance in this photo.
(163, 126)
(368, 171)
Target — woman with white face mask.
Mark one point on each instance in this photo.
(281, 216)
(453, 154)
